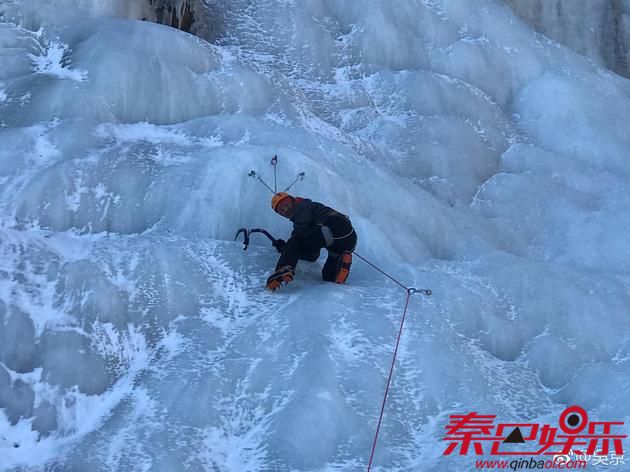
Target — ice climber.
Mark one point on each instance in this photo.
(315, 226)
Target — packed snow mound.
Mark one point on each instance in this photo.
(474, 158)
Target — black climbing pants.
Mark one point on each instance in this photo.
(307, 248)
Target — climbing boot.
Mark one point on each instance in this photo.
(283, 275)
(343, 268)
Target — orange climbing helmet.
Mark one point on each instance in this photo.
(277, 198)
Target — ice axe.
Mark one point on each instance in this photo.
(246, 232)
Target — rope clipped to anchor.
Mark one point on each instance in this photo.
(410, 291)
(274, 190)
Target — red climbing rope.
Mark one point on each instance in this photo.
(389, 379)
(409, 291)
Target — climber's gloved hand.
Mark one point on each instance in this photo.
(279, 244)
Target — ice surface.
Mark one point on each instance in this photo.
(474, 157)
(598, 28)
